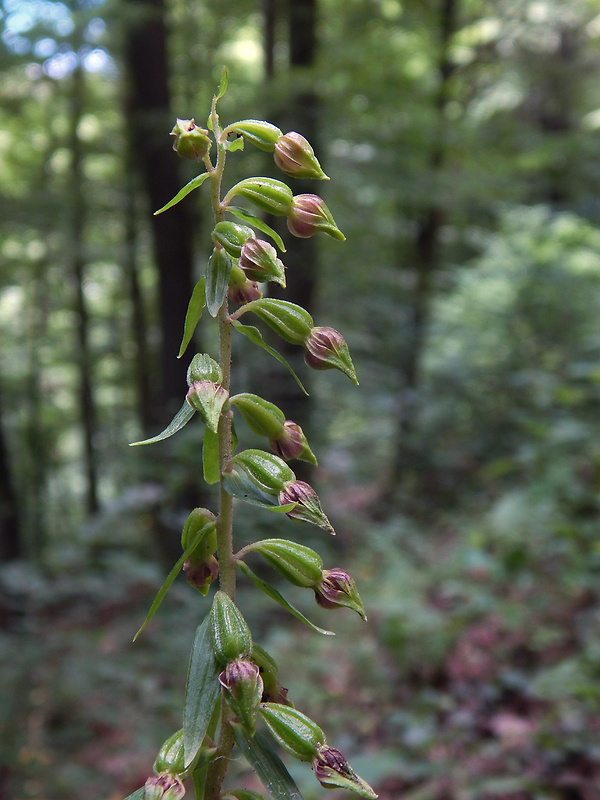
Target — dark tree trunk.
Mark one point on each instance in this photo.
(408, 457)
(11, 544)
(150, 121)
(86, 402)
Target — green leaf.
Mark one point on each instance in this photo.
(256, 338)
(137, 795)
(275, 595)
(192, 317)
(183, 416)
(189, 187)
(257, 222)
(171, 577)
(202, 691)
(210, 457)
(223, 84)
(218, 271)
(266, 763)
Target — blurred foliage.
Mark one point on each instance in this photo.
(477, 675)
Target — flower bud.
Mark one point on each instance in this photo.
(230, 634)
(295, 156)
(309, 215)
(290, 321)
(300, 565)
(262, 417)
(291, 443)
(326, 348)
(259, 261)
(242, 290)
(163, 787)
(231, 236)
(170, 757)
(208, 399)
(268, 194)
(333, 771)
(261, 134)
(203, 368)
(308, 507)
(243, 690)
(191, 141)
(200, 574)
(294, 731)
(336, 589)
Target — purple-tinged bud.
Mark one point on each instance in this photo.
(333, 771)
(241, 289)
(309, 215)
(243, 690)
(259, 261)
(337, 589)
(326, 348)
(307, 508)
(191, 141)
(295, 156)
(291, 443)
(200, 574)
(163, 787)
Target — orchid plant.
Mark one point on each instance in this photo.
(232, 683)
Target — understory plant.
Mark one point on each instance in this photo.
(233, 695)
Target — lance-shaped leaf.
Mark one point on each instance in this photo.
(193, 315)
(255, 336)
(208, 399)
(217, 279)
(202, 691)
(257, 222)
(189, 187)
(274, 594)
(183, 416)
(266, 763)
(224, 83)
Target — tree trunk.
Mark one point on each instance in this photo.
(11, 544)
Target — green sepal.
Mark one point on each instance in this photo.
(202, 691)
(271, 770)
(290, 321)
(257, 223)
(268, 194)
(267, 472)
(298, 564)
(274, 594)
(218, 270)
(183, 416)
(210, 457)
(230, 634)
(193, 315)
(262, 417)
(203, 368)
(255, 336)
(292, 730)
(189, 187)
(258, 132)
(232, 236)
(208, 399)
(171, 577)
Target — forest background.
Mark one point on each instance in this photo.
(463, 476)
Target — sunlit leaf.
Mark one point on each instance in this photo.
(189, 187)
(183, 416)
(193, 315)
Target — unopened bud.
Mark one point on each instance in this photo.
(294, 731)
(291, 443)
(259, 261)
(170, 757)
(243, 691)
(295, 156)
(163, 787)
(326, 348)
(333, 771)
(241, 289)
(191, 141)
(208, 399)
(337, 589)
(308, 507)
(309, 215)
(230, 634)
